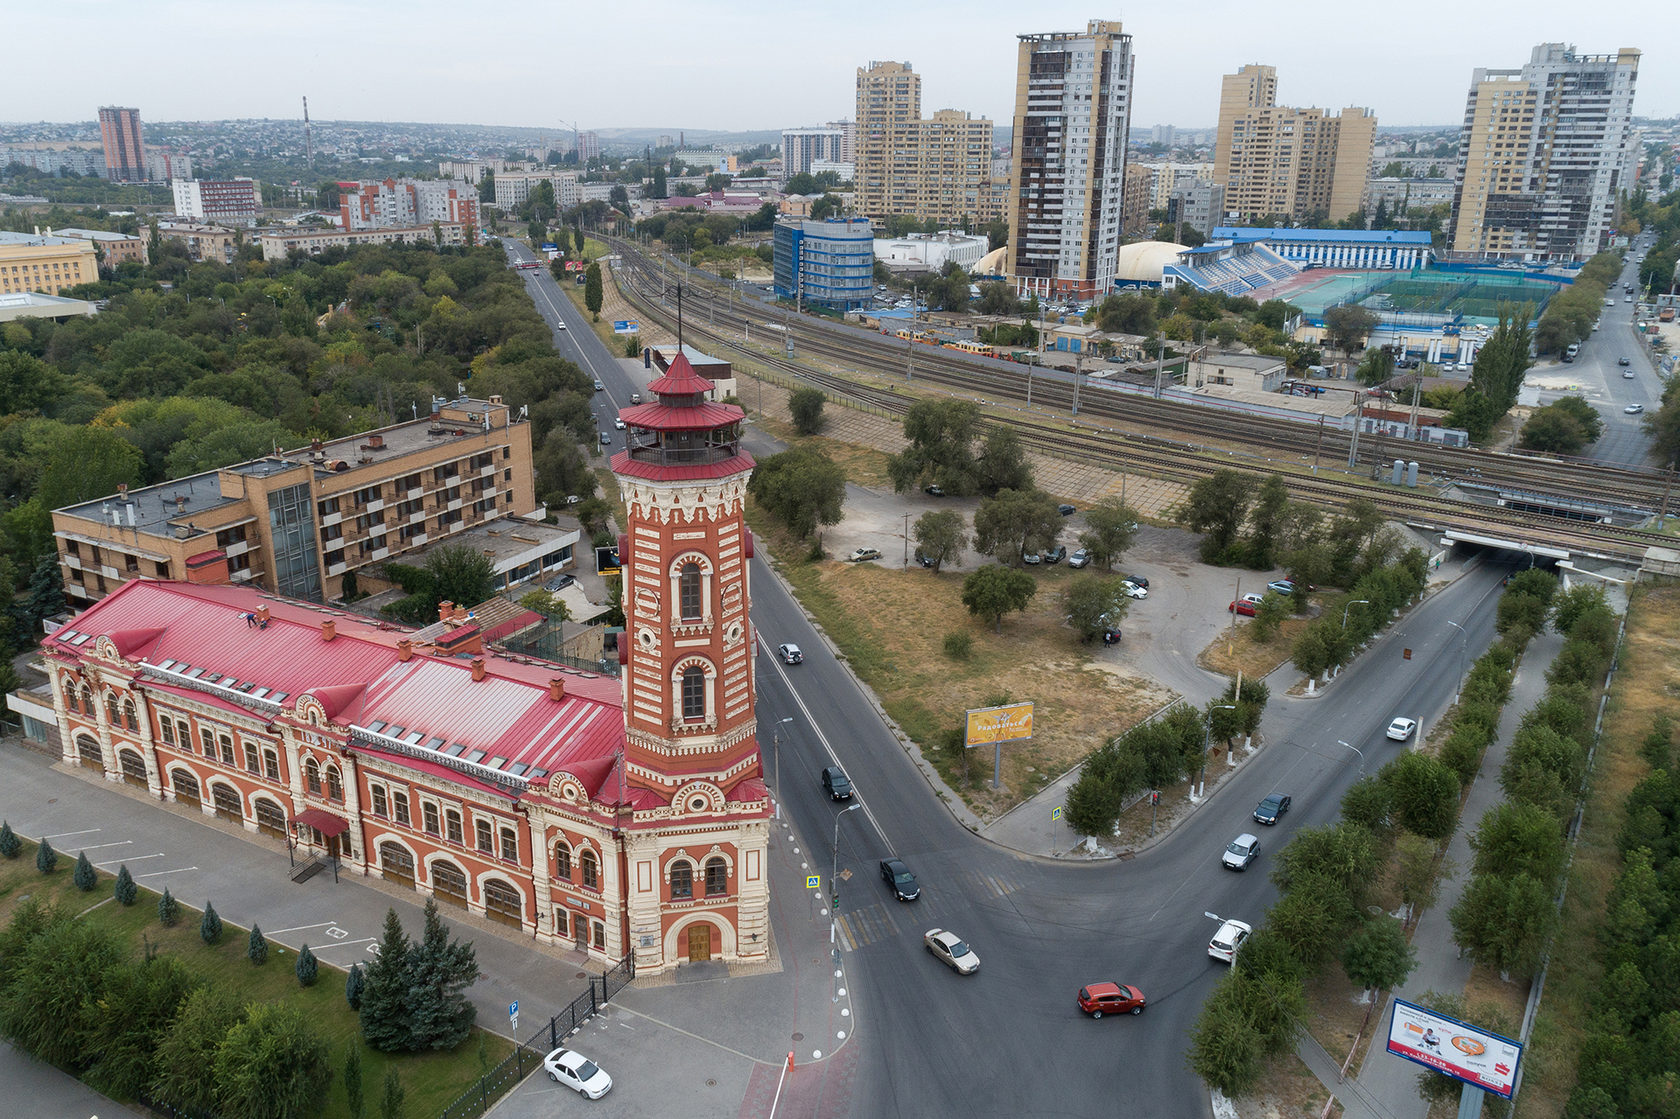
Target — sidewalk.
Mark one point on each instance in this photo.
(1390, 1083)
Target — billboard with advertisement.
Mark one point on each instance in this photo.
(1011, 723)
(1457, 1049)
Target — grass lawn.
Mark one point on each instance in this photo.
(891, 627)
(431, 1081)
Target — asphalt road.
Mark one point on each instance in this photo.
(1010, 1039)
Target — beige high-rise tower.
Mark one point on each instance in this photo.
(1289, 162)
(1543, 154)
(937, 168)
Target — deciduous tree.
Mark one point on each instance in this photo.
(1378, 956)
(801, 487)
(940, 536)
(995, 590)
(1110, 527)
(1094, 603)
(272, 1065)
(1217, 507)
(1015, 522)
(806, 406)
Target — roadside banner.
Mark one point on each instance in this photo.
(1458, 1049)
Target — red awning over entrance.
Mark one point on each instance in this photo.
(324, 822)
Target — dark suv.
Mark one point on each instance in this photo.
(904, 885)
(839, 786)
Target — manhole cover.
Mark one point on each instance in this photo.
(711, 1084)
(583, 975)
(799, 1037)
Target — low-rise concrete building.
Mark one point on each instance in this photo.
(45, 264)
(276, 245)
(112, 248)
(203, 242)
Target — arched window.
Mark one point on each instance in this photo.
(591, 869)
(312, 777)
(482, 832)
(717, 878)
(111, 714)
(688, 592)
(335, 787)
(694, 692)
(452, 825)
(682, 880)
(600, 935)
(510, 845)
(562, 862)
(131, 717)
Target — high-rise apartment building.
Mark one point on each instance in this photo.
(401, 203)
(803, 146)
(1542, 155)
(937, 168)
(1274, 160)
(1073, 111)
(125, 152)
(236, 200)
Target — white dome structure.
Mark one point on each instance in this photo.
(1141, 262)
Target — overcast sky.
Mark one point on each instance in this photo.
(764, 64)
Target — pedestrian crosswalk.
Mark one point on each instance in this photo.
(870, 924)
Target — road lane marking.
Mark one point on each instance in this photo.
(160, 873)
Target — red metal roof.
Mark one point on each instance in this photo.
(680, 379)
(506, 721)
(623, 464)
(660, 416)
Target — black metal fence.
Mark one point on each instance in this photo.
(527, 1055)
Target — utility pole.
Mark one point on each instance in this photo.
(1358, 417)
(1078, 368)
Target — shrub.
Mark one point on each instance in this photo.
(86, 878)
(210, 927)
(46, 859)
(959, 645)
(169, 910)
(125, 890)
(307, 969)
(1462, 753)
(256, 949)
(10, 844)
(1480, 719)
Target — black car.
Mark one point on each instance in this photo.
(1138, 581)
(1066, 510)
(924, 559)
(559, 582)
(1271, 808)
(1055, 555)
(895, 874)
(1623, 361)
(839, 786)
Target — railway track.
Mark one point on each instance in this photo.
(1178, 443)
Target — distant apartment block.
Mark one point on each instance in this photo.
(938, 167)
(714, 160)
(1544, 152)
(1135, 198)
(278, 245)
(203, 242)
(297, 522)
(472, 170)
(166, 166)
(1073, 114)
(1291, 162)
(803, 146)
(55, 158)
(587, 145)
(403, 203)
(1400, 195)
(1164, 177)
(125, 151)
(1198, 204)
(235, 200)
(514, 187)
(111, 248)
(44, 263)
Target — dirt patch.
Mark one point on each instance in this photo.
(1287, 1090)
(892, 627)
(1237, 650)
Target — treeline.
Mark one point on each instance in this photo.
(156, 1028)
(1506, 915)
(230, 361)
(1570, 314)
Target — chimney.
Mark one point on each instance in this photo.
(262, 613)
(445, 610)
(405, 649)
(122, 491)
(329, 630)
(180, 503)
(376, 442)
(556, 689)
(478, 668)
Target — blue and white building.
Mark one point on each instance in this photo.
(826, 263)
(1372, 250)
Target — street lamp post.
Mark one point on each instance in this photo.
(1356, 750)
(1350, 606)
(776, 760)
(1207, 744)
(834, 900)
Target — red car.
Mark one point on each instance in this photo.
(1242, 606)
(1098, 999)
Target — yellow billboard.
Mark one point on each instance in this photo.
(987, 725)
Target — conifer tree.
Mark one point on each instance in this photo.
(125, 890)
(442, 970)
(354, 983)
(10, 844)
(210, 927)
(353, 1080)
(169, 910)
(307, 969)
(384, 1009)
(257, 948)
(86, 879)
(46, 859)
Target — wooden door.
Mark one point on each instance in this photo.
(699, 943)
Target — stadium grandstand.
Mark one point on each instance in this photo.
(1367, 249)
(1228, 267)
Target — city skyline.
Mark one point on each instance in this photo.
(789, 67)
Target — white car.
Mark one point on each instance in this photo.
(618, 423)
(1133, 590)
(1241, 851)
(952, 949)
(1401, 729)
(577, 1072)
(1228, 939)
